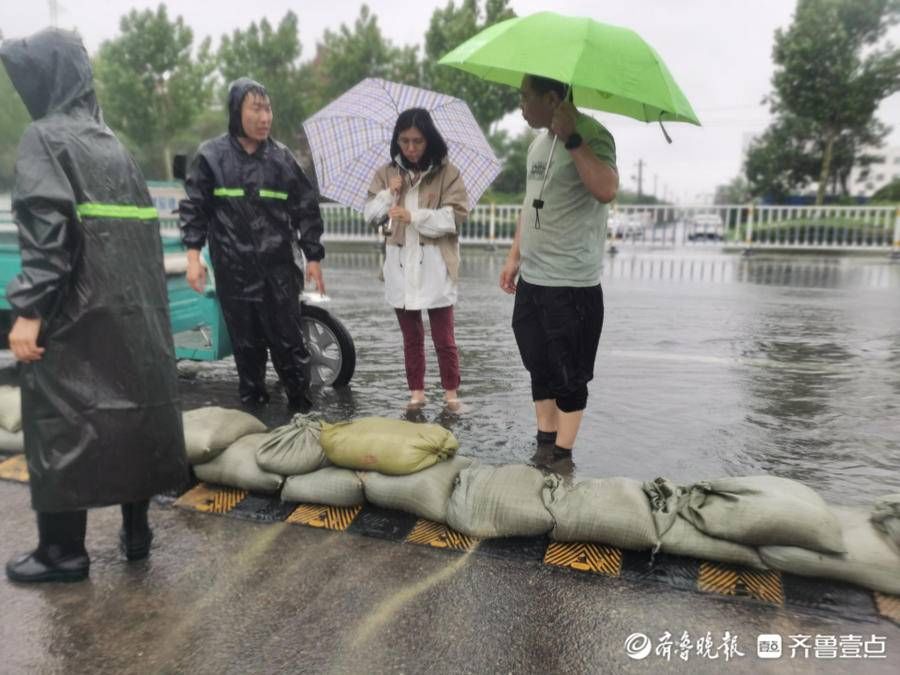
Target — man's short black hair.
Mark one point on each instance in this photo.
(239, 90)
(435, 146)
(544, 84)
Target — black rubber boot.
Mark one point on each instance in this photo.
(60, 555)
(255, 400)
(135, 536)
(299, 403)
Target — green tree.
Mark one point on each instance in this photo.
(737, 191)
(271, 57)
(831, 73)
(782, 159)
(151, 86)
(513, 152)
(450, 27)
(788, 156)
(888, 193)
(345, 57)
(14, 118)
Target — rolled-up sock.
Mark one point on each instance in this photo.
(561, 451)
(546, 437)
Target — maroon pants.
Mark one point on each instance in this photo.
(413, 330)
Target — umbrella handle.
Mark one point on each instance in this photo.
(388, 229)
(539, 202)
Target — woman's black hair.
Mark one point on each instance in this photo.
(435, 147)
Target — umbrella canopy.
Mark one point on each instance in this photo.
(609, 68)
(350, 138)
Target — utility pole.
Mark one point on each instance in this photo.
(655, 176)
(54, 12)
(640, 178)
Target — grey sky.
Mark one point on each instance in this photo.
(719, 52)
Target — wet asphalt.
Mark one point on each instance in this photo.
(222, 595)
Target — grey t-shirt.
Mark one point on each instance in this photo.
(567, 247)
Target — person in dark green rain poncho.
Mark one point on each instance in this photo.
(248, 198)
(100, 408)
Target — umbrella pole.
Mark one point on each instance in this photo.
(538, 203)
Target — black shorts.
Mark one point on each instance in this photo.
(558, 329)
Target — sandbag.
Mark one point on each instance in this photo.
(11, 442)
(665, 499)
(499, 501)
(424, 493)
(613, 511)
(682, 538)
(886, 517)
(293, 448)
(208, 431)
(330, 485)
(870, 561)
(236, 467)
(393, 447)
(763, 511)
(10, 409)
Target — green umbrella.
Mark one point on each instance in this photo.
(609, 68)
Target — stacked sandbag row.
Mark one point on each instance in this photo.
(11, 439)
(760, 522)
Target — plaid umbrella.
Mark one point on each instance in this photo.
(351, 137)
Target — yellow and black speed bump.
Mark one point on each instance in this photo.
(437, 535)
(15, 469)
(845, 601)
(595, 558)
(824, 595)
(262, 508)
(764, 586)
(210, 498)
(374, 521)
(324, 517)
(672, 570)
(517, 548)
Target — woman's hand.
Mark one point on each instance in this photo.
(399, 215)
(395, 183)
(23, 339)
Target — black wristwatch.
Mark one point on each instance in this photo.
(574, 141)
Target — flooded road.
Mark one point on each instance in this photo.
(709, 365)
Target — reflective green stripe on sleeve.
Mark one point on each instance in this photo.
(228, 192)
(94, 210)
(239, 192)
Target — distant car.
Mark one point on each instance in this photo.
(626, 226)
(705, 227)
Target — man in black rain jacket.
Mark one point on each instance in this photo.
(100, 410)
(249, 199)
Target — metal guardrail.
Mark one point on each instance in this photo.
(827, 228)
(735, 226)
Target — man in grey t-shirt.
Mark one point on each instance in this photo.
(556, 255)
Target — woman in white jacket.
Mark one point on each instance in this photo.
(420, 199)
